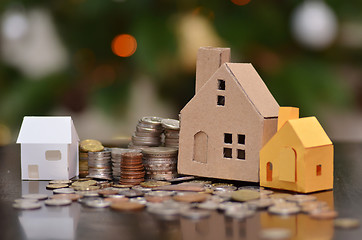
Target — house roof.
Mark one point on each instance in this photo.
(47, 130)
(254, 88)
(310, 132)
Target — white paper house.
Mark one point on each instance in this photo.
(49, 148)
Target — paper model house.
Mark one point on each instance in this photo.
(49, 148)
(224, 126)
(299, 157)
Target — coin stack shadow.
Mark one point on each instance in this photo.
(83, 164)
(171, 131)
(148, 133)
(160, 163)
(99, 164)
(117, 160)
(132, 169)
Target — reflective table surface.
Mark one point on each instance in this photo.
(78, 222)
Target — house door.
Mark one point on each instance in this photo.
(200, 147)
(288, 164)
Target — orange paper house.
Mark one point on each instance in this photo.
(299, 157)
(226, 123)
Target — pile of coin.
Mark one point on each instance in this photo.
(160, 162)
(117, 160)
(132, 170)
(85, 146)
(148, 133)
(99, 164)
(171, 130)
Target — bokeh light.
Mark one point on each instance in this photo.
(240, 2)
(124, 45)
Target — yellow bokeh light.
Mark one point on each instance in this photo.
(124, 45)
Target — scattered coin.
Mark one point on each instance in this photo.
(325, 214)
(56, 185)
(58, 202)
(119, 198)
(27, 205)
(300, 198)
(64, 191)
(284, 209)
(35, 196)
(108, 192)
(71, 196)
(245, 195)
(239, 213)
(65, 181)
(98, 203)
(208, 205)
(154, 184)
(22, 200)
(261, 203)
(275, 233)
(191, 197)
(346, 223)
(127, 206)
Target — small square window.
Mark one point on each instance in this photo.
(241, 154)
(228, 138)
(241, 138)
(221, 84)
(220, 100)
(228, 153)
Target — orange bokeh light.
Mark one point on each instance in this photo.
(240, 2)
(124, 45)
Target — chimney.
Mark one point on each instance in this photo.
(287, 113)
(209, 59)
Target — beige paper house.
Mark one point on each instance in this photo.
(227, 122)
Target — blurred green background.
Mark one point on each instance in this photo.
(57, 59)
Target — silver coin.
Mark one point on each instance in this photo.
(64, 191)
(232, 205)
(275, 233)
(98, 203)
(208, 205)
(26, 200)
(140, 200)
(159, 151)
(261, 203)
(152, 120)
(170, 123)
(300, 198)
(58, 202)
(132, 193)
(88, 193)
(346, 223)
(35, 196)
(88, 199)
(284, 209)
(27, 205)
(239, 214)
(195, 214)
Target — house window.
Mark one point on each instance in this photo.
(220, 100)
(241, 138)
(228, 152)
(269, 171)
(53, 155)
(241, 154)
(319, 170)
(221, 84)
(228, 138)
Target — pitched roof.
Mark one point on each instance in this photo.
(47, 130)
(255, 89)
(309, 132)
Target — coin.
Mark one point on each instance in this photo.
(58, 202)
(284, 209)
(56, 185)
(108, 192)
(22, 200)
(275, 233)
(346, 223)
(114, 199)
(64, 191)
(154, 184)
(27, 205)
(98, 203)
(122, 185)
(325, 214)
(245, 195)
(35, 196)
(90, 145)
(208, 205)
(299, 198)
(191, 197)
(127, 206)
(86, 188)
(72, 196)
(60, 181)
(88, 182)
(261, 203)
(88, 193)
(239, 213)
(131, 193)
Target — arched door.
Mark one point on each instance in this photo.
(200, 147)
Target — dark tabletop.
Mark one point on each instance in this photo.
(78, 222)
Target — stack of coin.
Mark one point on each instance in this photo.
(132, 170)
(85, 146)
(148, 132)
(160, 162)
(117, 160)
(99, 164)
(171, 130)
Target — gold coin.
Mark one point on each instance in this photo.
(127, 206)
(245, 195)
(91, 145)
(86, 188)
(346, 223)
(84, 183)
(154, 184)
(192, 197)
(56, 186)
(122, 185)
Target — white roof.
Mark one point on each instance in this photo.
(46, 130)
